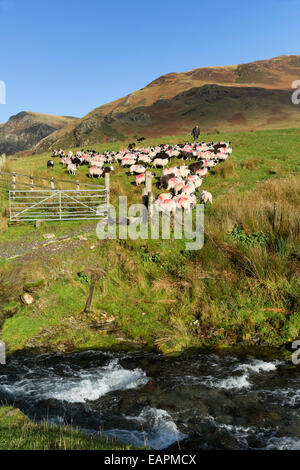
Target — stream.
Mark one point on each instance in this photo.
(193, 402)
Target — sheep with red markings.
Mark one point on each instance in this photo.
(137, 169)
(140, 179)
(95, 171)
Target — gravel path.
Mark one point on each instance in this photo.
(17, 248)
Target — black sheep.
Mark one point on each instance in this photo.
(164, 180)
(76, 161)
(193, 167)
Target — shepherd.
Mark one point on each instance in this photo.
(196, 133)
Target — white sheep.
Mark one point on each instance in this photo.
(206, 197)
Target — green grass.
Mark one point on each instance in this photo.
(235, 291)
(17, 432)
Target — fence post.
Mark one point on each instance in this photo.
(13, 181)
(52, 183)
(31, 183)
(149, 193)
(107, 185)
(77, 185)
(145, 197)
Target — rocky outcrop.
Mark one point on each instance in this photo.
(24, 130)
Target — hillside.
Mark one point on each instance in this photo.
(239, 97)
(26, 129)
(236, 292)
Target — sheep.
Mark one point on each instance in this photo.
(164, 180)
(168, 171)
(76, 161)
(183, 171)
(72, 168)
(210, 164)
(195, 180)
(66, 161)
(144, 159)
(164, 196)
(173, 182)
(206, 197)
(201, 172)
(188, 189)
(128, 161)
(184, 155)
(137, 169)
(140, 179)
(194, 167)
(186, 202)
(95, 171)
(178, 187)
(160, 162)
(167, 205)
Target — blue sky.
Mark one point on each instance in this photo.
(67, 57)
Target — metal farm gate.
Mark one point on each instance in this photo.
(58, 204)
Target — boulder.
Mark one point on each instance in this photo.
(27, 299)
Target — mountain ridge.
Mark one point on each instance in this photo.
(110, 122)
(216, 97)
(25, 129)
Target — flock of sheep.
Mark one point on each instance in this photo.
(180, 182)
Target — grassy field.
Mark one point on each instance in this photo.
(17, 432)
(242, 289)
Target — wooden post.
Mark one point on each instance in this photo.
(95, 274)
(145, 203)
(31, 183)
(148, 191)
(13, 181)
(150, 206)
(87, 308)
(145, 197)
(107, 186)
(77, 185)
(148, 181)
(52, 183)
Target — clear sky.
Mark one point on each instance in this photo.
(67, 57)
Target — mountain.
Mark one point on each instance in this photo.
(254, 95)
(26, 129)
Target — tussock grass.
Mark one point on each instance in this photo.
(226, 170)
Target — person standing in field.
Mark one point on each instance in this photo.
(196, 133)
